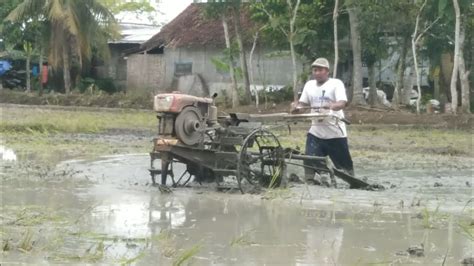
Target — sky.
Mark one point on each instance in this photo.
(167, 10)
(171, 8)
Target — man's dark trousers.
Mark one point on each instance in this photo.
(337, 149)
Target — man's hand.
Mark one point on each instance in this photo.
(296, 107)
(335, 106)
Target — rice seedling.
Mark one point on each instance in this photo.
(166, 242)
(429, 218)
(467, 229)
(132, 260)
(26, 243)
(93, 254)
(243, 239)
(186, 255)
(277, 193)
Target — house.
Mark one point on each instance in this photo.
(132, 35)
(187, 55)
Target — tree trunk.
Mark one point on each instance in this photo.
(254, 45)
(350, 89)
(335, 14)
(66, 70)
(446, 69)
(408, 86)
(358, 96)
(243, 59)
(372, 85)
(414, 42)
(40, 63)
(417, 75)
(295, 75)
(291, 35)
(397, 89)
(454, 76)
(397, 94)
(463, 74)
(436, 81)
(235, 94)
(28, 72)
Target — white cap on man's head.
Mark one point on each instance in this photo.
(320, 62)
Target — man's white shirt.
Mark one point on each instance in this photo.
(317, 96)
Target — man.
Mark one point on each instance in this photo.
(328, 136)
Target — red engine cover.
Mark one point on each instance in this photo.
(175, 102)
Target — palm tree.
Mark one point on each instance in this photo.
(74, 29)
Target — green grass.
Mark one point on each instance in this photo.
(48, 134)
(392, 139)
(46, 121)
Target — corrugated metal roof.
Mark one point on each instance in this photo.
(136, 33)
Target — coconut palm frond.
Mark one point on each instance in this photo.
(99, 10)
(56, 42)
(55, 11)
(71, 21)
(26, 9)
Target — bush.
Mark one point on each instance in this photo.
(284, 94)
(105, 84)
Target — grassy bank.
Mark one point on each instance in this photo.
(139, 100)
(42, 120)
(50, 135)
(68, 132)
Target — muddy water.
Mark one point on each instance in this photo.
(105, 211)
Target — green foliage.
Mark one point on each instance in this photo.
(141, 8)
(277, 96)
(90, 85)
(107, 85)
(425, 98)
(314, 27)
(228, 54)
(220, 65)
(78, 26)
(216, 8)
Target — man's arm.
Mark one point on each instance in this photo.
(298, 107)
(337, 105)
(341, 97)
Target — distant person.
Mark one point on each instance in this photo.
(325, 137)
(44, 77)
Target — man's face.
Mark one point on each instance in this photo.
(321, 74)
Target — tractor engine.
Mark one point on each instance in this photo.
(184, 117)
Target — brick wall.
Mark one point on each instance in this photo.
(145, 72)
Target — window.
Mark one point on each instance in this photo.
(181, 69)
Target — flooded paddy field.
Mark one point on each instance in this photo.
(86, 197)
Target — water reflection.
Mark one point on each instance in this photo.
(234, 230)
(7, 154)
(128, 216)
(165, 212)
